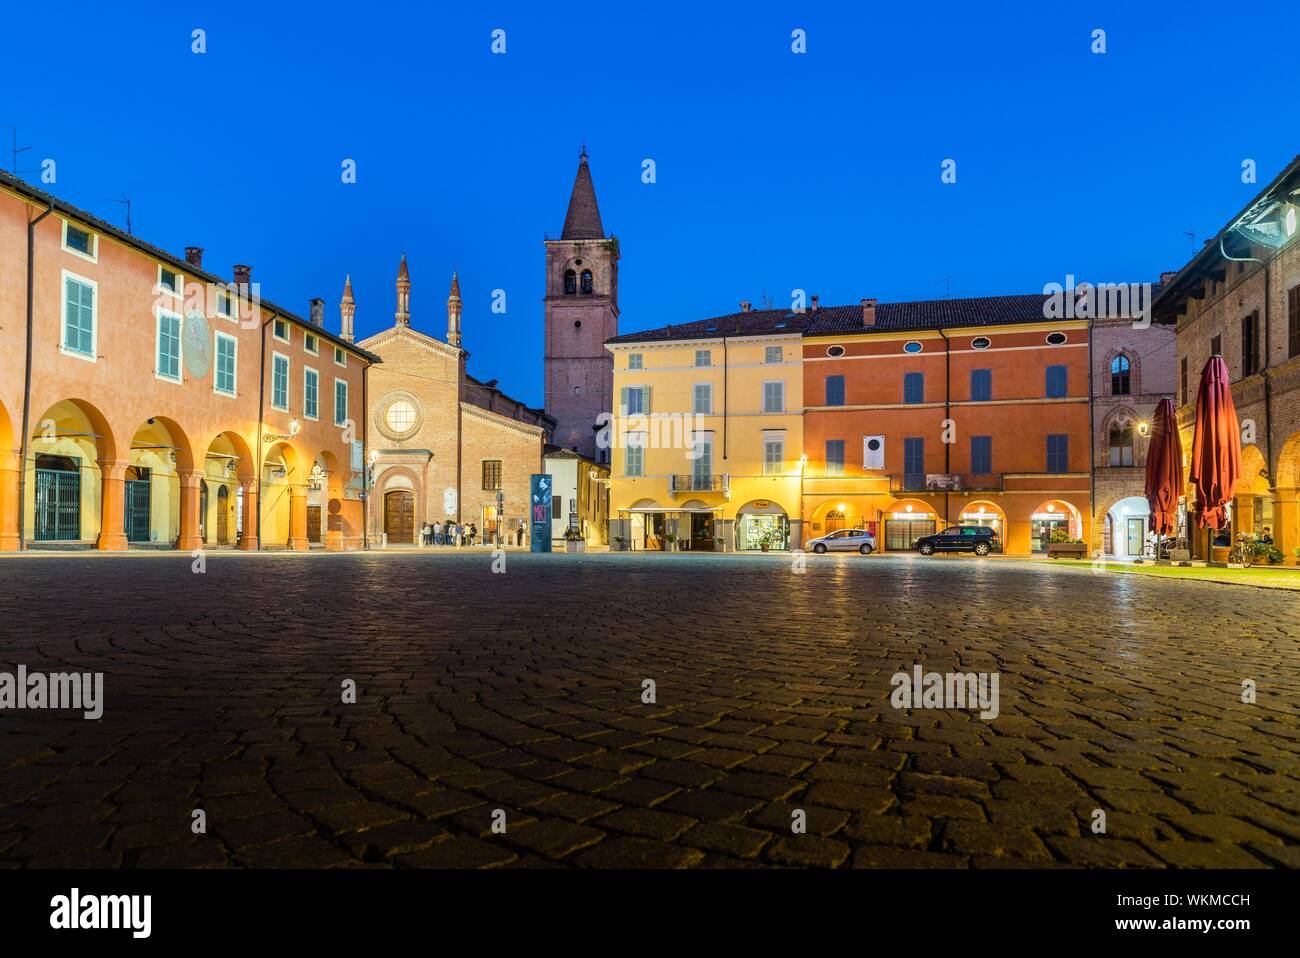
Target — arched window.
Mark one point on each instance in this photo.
(1120, 378)
(586, 282)
(570, 282)
(1121, 444)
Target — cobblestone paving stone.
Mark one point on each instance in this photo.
(522, 692)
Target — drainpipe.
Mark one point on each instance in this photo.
(947, 415)
(261, 419)
(1092, 449)
(365, 453)
(1268, 391)
(27, 382)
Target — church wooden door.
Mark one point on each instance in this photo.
(399, 516)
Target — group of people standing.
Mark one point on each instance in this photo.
(448, 534)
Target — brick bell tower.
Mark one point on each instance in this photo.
(581, 313)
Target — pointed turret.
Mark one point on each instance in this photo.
(583, 219)
(453, 312)
(403, 315)
(347, 310)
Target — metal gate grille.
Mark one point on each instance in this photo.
(58, 505)
(137, 510)
(901, 534)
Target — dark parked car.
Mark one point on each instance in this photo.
(980, 540)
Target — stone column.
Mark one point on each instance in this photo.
(189, 538)
(249, 539)
(796, 534)
(10, 466)
(1243, 515)
(1286, 522)
(298, 540)
(112, 517)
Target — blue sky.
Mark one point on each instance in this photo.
(775, 171)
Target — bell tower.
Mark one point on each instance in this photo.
(581, 313)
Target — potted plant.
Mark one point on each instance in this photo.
(722, 543)
(1061, 543)
(573, 541)
(1269, 553)
(619, 541)
(671, 539)
(767, 537)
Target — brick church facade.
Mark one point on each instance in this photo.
(581, 314)
(442, 444)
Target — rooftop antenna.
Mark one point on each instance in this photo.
(124, 201)
(947, 284)
(1192, 237)
(16, 149)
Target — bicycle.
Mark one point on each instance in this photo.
(1243, 554)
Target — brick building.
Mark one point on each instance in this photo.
(581, 314)
(146, 402)
(443, 445)
(1132, 371)
(1239, 297)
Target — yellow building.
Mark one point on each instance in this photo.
(706, 438)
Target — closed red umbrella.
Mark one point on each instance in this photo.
(1164, 469)
(1216, 447)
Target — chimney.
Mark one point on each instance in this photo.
(243, 275)
(869, 313)
(744, 305)
(814, 303)
(1168, 277)
(317, 313)
(194, 256)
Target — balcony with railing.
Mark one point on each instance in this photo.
(700, 483)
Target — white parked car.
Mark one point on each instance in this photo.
(845, 540)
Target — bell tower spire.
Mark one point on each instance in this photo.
(453, 312)
(347, 310)
(403, 294)
(581, 313)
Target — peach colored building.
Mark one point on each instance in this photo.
(147, 402)
(928, 414)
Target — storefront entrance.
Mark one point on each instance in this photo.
(701, 531)
(1041, 529)
(757, 529)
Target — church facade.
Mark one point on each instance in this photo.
(442, 444)
(581, 314)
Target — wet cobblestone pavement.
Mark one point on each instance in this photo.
(523, 692)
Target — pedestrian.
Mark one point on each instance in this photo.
(424, 534)
(1266, 537)
(446, 533)
(437, 533)
(460, 534)
(519, 534)
(473, 533)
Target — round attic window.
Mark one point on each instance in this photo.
(979, 342)
(834, 351)
(912, 347)
(1056, 339)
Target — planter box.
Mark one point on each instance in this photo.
(1073, 549)
(572, 545)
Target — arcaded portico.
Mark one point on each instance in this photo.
(217, 420)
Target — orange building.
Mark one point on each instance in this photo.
(147, 402)
(927, 414)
